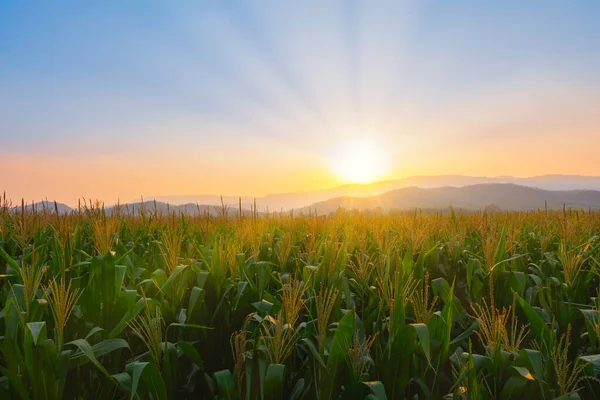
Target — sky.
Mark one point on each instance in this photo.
(113, 100)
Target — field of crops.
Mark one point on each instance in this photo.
(153, 306)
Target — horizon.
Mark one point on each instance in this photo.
(356, 190)
(111, 101)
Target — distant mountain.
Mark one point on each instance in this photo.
(148, 207)
(287, 201)
(503, 196)
(188, 209)
(45, 205)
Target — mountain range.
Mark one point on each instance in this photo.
(149, 207)
(425, 192)
(287, 201)
(494, 196)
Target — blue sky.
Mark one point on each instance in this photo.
(179, 90)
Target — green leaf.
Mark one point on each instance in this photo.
(120, 271)
(512, 387)
(298, 390)
(591, 319)
(16, 381)
(274, 381)
(475, 363)
(377, 389)
(88, 352)
(9, 260)
(500, 248)
(534, 361)
(93, 331)
(537, 324)
(190, 352)
(313, 349)
(129, 316)
(524, 372)
(262, 306)
(355, 391)
(147, 372)
(423, 334)
(240, 291)
(176, 272)
(124, 381)
(225, 385)
(159, 277)
(398, 362)
(12, 321)
(38, 331)
(465, 334)
(448, 311)
(195, 326)
(342, 340)
(196, 300)
(422, 385)
(101, 349)
(594, 361)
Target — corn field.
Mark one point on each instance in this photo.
(171, 306)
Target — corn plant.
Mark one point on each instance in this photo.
(144, 304)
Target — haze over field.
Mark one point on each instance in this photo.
(433, 195)
(286, 201)
(120, 100)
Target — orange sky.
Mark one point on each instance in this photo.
(113, 177)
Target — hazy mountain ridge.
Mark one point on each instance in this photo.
(287, 201)
(501, 196)
(45, 205)
(149, 207)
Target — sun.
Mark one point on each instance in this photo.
(359, 160)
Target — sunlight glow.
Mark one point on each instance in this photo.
(359, 160)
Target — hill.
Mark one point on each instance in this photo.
(148, 207)
(287, 201)
(45, 205)
(473, 197)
